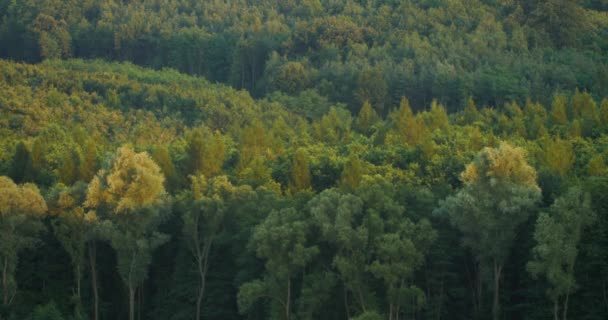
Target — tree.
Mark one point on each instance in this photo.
(283, 241)
(604, 113)
(399, 244)
(300, 172)
(557, 236)
(352, 173)
(206, 152)
(406, 126)
(21, 208)
(559, 156)
(339, 218)
(78, 233)
(563, 20)
(559, 115)
(204, 210)
(470, 113)
(499, 193)
(131, 196)
(21, 166)
(90, 164)
(74, 229)
(366, 118)
(372, 87)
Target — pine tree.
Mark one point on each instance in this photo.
(366, 118)
(559, 115)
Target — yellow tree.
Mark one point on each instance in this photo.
(131, 196)
(604, 112)
(407, 128)
(558, 155)
(21, 210)
(559, 114)
(366, 118)
(300, 172)
(206, 152)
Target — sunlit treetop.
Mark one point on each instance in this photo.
(133, 181)
(506, 164)
(20, 199)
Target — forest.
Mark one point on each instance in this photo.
(312, 159)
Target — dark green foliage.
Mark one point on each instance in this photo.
(318, 195)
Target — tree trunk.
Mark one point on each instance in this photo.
(93, 263)
(140, 300)
(496, 304)
(202, 260)
(5, 282)
(288, 301)
(78, 276)
(346, 303)
(555, 309)
(361, 300)
(131, 302)
(565, 315)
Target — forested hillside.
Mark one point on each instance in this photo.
(348, 51)
(318, 159)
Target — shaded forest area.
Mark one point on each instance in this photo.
(303, 159)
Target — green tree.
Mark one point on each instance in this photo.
(203, 216)
(499, 193)
(21, 166)
(341, 222)
(74, 229)
(557, 236)
(283, 241)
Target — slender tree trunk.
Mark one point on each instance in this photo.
(346, 302)
(496, 304)
(131, 302)
(203, 265)
(441, 294)
(5, 282)
(78, 276)
(361, 300)
(78, 307)
(390, 311)
(556, 309)
(93, 264)
(565, 314)
(605, 296)
(288, 302)
(140, 300)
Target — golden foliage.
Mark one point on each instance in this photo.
(366, 118)
(505, 163)
(300, 172)
(24, 199)
(559, 156)
(135, 180)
